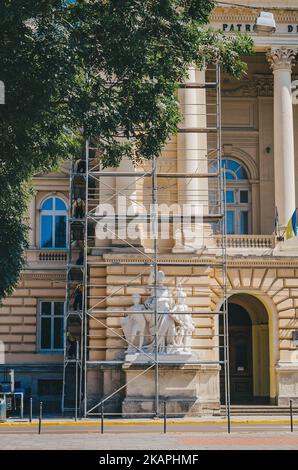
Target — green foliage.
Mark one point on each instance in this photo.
(106, 68)
(136, 54)
(13, 234)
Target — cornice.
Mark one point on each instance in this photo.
(231, 261)
(43, 276)
(232, 14)
(223, 14)
(270, 263)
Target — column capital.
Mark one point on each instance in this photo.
(282, 58)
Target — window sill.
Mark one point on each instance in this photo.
(56, 352)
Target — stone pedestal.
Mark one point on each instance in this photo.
(287, 384)
(287, 248)
(188, 388)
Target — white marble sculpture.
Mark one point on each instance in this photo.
(134, 325)
(186, 325)
(174, 322)
(166, 329)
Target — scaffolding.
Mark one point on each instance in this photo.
(73, 367)
(94, 333)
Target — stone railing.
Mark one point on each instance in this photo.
(46, 256)
(52, 256)
(248, 241)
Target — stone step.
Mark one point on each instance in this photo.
(259, 410)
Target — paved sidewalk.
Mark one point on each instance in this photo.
(151, 441)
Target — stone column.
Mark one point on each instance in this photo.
(129, 233)
(281, 60)
(106, 204)
(118, 196)
(32, 222)
(191, 159)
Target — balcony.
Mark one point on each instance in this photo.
(46, 258)
(260, 244)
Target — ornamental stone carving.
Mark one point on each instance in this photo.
(259, 85)
(264, 84)
(282, 58)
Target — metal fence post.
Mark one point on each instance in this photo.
(77, 381)
(291, 415)
(30, 410)
(102, 415)
(40, 417)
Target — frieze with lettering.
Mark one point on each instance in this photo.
(249, 27)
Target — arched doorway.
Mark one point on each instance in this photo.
(248, 350)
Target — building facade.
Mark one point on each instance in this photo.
(260, 154)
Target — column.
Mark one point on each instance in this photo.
(281, 61)
(191, 159)
(129, 233)
(32, 222)
(106, 205)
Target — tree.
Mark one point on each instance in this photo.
(108, 68)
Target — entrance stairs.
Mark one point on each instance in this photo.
(258, 410)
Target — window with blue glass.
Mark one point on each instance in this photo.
(51, 336)
(237, 195)
(53, 220)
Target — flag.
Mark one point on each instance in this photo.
(291, 229)
(276, 222)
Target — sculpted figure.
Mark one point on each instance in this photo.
(185, 323)
(166, 328)
(134, 325)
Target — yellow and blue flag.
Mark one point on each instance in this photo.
(291, 229)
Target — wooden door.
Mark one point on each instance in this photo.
(241, 374)
(240, 360)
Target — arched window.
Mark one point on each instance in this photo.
(238, 196)
(53, 219)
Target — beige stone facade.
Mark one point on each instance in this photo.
(262, 271)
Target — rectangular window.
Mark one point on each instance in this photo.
(243, 197)
(60, 231)
(46, 231)
(230, 222)
(243, 222)
(230, 197)
(51, 325)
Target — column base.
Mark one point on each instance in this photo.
(287, 248)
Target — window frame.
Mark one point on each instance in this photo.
(239, 181)
(237, 207)
(53, 213)
(237, 185)
(52, 316)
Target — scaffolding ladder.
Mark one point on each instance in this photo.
(75, 291)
